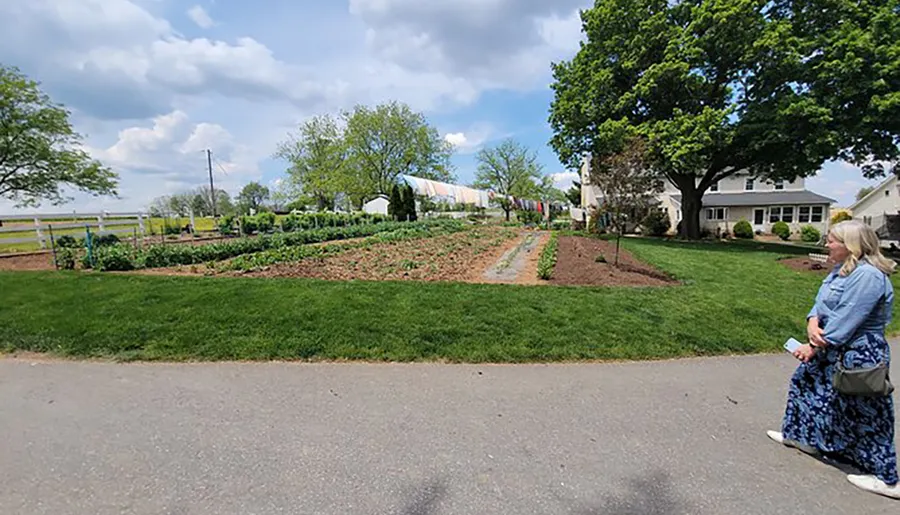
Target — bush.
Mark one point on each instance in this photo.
(547, 261)
(265, 222)
(114, 258)
(226, 225)
(656, 223)
(66, 241)
(782, 230)
(559, 225)
(743, 229)
(171, 230)
(528, 217)
(105, 240)
(840, 216)
(600, 259)
(290, 223)
(810, 234)
(248, 225)
(66, 257)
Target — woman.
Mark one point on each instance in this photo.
(849, 317)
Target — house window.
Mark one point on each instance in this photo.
(779, 185)
(803, 214)
(748, 184)
(818, 214)
(716, 213)
(714, 187)
(787, 214)
(774, 214)
(887, 193)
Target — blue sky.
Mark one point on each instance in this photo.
(152, 83)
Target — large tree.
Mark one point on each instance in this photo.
(390, 140)
(508, 168)
(317, 154)
(40, 152)
(775, 88)
(252, 196)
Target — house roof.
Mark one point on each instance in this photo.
(761, 198)
(876, 189)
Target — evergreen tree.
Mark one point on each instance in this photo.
(396, 207)
(409, 203)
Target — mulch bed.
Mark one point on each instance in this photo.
(577, 265)
(27, 261)
(804, 264)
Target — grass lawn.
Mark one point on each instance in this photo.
(734, 300)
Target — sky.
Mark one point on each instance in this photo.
(151, 84)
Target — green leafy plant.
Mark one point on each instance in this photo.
(66, 241)
(265, 222)
(226, 225)
(600, 259)
(743, 229)
(657, 222)
(66, 258)
(547, 261)
(810, 234)
(782, 230)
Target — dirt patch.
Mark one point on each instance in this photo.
(804, 264)
(578, 264)
(29, 261)
(455, 257)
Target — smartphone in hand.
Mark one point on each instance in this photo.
(792, 345)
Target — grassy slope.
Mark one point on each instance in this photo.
(733, 301)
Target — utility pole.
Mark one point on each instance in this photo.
(212, 189)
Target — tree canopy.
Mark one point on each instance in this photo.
(774, 88)
(40, 152)
(252, 196)
(509, 169)
(364, 153)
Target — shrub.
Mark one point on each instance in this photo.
(600, 259)
(66, 241)
(171, 230)
(265, 222)
(782, 230)
(810, 234)
(105, 240)
(65, 258)
(226, 224)
(248, 225)
(528, 217)
(118, 257)
(656, 223)
(840, 216)
(744, 230)
(290, 223)
(547, 261)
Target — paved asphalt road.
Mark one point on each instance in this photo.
(664, 438)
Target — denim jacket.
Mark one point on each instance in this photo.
(850, 307)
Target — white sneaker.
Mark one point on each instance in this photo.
(874, 485)
(778, 437)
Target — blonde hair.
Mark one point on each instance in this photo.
(863, 245)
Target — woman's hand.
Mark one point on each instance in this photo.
(814, 333)
(805, 353)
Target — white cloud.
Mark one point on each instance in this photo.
(169, 157)
(199, 16)
(457, 139)
(564, 180)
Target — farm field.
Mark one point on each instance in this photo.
(716, 299)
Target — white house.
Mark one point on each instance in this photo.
(883, 200)
(378, 205)
(739, 197)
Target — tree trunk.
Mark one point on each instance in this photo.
(618, 239)
(691, 207)
(507, 210)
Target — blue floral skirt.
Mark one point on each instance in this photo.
(854, 429)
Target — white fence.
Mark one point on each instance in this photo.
(99, 223)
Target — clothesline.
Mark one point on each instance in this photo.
(466, 195)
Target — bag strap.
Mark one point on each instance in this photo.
(881, 301)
